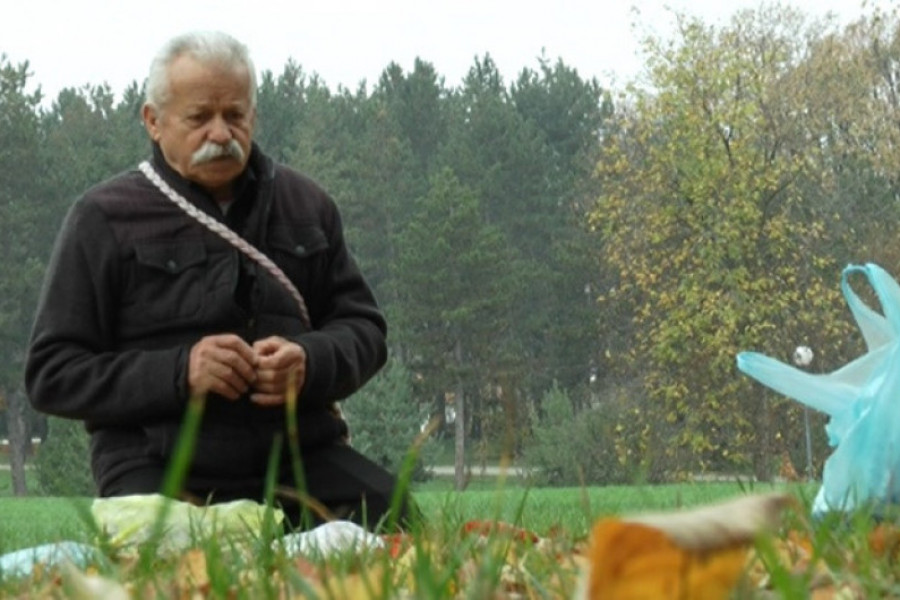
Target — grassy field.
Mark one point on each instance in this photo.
(842, 560)
(30, 521)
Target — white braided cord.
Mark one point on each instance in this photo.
(228, 235)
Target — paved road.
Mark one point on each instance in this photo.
(480, 470)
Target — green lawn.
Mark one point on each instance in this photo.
(30, 521)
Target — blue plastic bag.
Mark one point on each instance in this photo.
(862, 399)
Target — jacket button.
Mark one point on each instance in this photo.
(171, 265)
(299, 249)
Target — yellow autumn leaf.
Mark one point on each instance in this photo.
(689, 555)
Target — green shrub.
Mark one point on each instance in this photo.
(574, 448)
(62, 465)
(385, 420)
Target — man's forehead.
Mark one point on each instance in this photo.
(206, 100)
(205, 86)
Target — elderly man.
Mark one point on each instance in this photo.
(151, 299)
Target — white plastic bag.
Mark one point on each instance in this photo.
(333, 537)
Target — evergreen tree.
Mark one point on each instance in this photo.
(456, 284)
(21, 203)
(386, 420)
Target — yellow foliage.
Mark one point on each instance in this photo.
(708, 218)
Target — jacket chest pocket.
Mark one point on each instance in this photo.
(300, 253)
(166, 280)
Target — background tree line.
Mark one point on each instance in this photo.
(571, 269)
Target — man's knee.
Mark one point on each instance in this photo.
(351, 487)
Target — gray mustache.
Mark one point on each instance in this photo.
(211, 151)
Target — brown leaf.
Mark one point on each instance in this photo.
(690, 555)
(794, 552)
(843, 591)
(884, 541)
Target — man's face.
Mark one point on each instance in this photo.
(206, 104)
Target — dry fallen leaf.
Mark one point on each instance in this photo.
(690, 555)
(495, 528)
(85, 586)
(884, 541)
(363, 585)
(794, 552)
(843, 591)
(191, 575)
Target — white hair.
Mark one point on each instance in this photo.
(208, 47)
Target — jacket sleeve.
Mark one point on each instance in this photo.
(348, 344)
(73, 366)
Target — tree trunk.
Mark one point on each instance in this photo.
(459, 461)
(459, 403)
(763, 455)
(19, 442)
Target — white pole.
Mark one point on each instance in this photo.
(803, 356)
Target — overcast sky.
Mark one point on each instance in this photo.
(74, 42)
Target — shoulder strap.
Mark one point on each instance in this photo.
(228, 235)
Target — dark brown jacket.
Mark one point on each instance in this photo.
(134, 282)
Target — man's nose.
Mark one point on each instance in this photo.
(219, 131)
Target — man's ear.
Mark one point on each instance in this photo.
(151, 121)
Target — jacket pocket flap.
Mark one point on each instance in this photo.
(169, 257)
(300, 241)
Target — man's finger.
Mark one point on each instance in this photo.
(239, 365)
(269, 345)
(268, 381)
(223, 364)
(267, 399)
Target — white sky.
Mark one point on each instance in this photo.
(69, 43)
